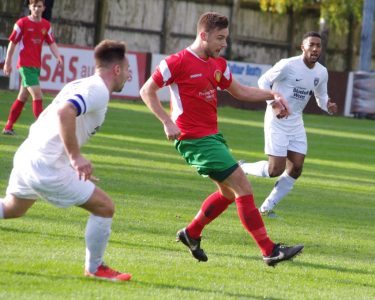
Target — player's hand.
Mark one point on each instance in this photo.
(60, 60)
(83, 167)
(280, 106)
(331, 107)
(7, 69)
(171, 130)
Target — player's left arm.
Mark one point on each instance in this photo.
(322, 98)
(55, 51)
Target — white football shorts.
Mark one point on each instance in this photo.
(59, 186)
(279, 143)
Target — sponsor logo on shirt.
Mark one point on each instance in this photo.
(208, 94)
(218, 75)
(299, 93)
(196, 75)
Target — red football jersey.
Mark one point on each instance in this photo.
(193, 84)
(31, 36)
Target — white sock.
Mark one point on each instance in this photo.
(1, 209)
(282, 187)
(97, 234)
(259, 168)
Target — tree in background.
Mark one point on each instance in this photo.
(335, 15)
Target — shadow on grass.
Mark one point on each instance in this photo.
(170, 248)
(138, 283)
(223, 294)
(335, 268)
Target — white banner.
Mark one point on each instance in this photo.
(247, 73)
(77, 63)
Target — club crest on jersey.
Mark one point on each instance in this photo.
(44, 31)
(316, 81)
(218, 75)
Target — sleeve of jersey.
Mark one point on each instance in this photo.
(163, 73)
(50, 39)
(275, 73)
(226, 79)
(320, 92)
(16, 34)
(79, 103)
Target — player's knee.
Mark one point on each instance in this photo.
(108, 210)
(296, 171)
(275, 171)
(13, 214)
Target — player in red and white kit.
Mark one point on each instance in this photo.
(194, 75)
(30, 33)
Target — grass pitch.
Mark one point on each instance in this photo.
(331, 211)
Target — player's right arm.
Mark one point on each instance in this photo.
(266, 81)
(151, 99)
(67, 114)
(8, 59)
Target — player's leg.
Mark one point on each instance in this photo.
(211, 208)
(294, 165)
(37, 95)
(247, 211)
(14, 207)
(19, 196)
(63, 188)
(297, 148)
(35, 90)
(16, 110)
(275, 146)
(253, 223)
(211, 157)
(97, 234)
(286, 181)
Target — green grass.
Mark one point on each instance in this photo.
(331, 211)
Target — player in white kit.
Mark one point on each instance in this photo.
(49, 163)
(297, 79)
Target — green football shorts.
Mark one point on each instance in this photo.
(29, 76)
(210, 155)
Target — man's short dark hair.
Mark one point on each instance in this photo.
(311, 34)
(108, 52)
(212, 20)
(36, 1)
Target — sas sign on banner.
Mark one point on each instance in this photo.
(78, 63)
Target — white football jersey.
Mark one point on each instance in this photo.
(90, 96)
(297, 83)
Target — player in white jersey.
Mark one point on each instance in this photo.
(49, 163)
(297, 79)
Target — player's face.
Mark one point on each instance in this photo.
(37, 9)
(215, 41)
(123, 75)
(311, 48)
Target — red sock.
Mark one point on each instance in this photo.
(14, 113)
(37, 107)
(211, 208)
(253, 223)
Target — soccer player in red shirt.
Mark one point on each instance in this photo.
(193, 76)
(30, 32)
